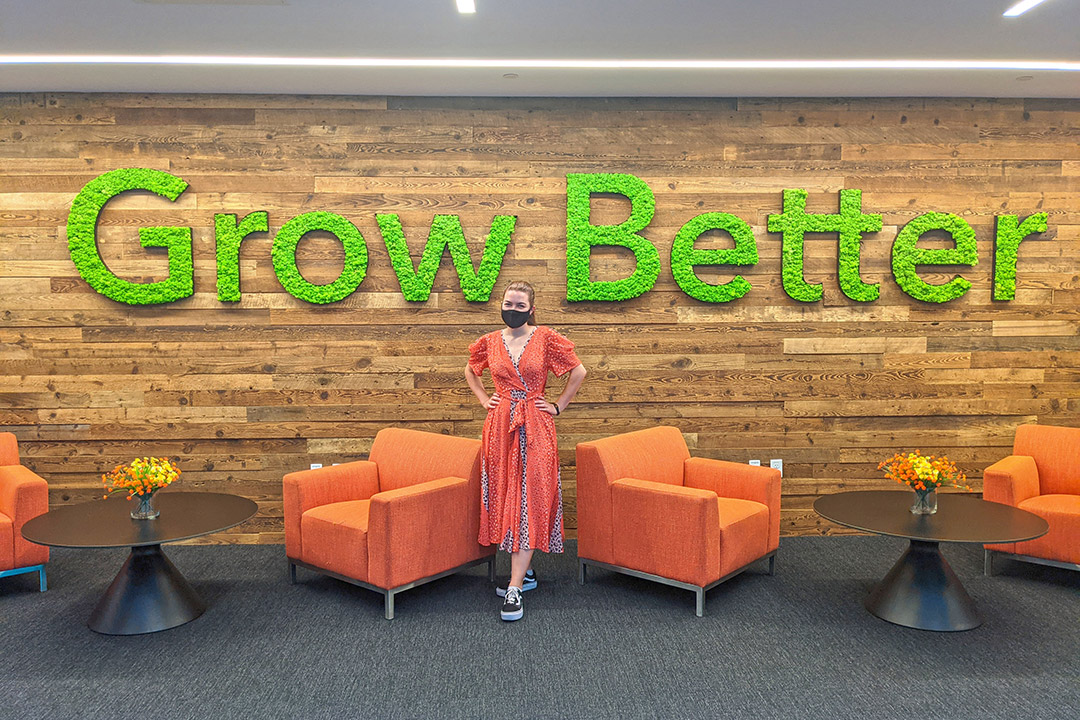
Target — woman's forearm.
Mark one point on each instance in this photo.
(577, 376)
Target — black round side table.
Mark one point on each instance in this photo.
(148, 594)
(921, 590)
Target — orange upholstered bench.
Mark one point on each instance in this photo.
(648, 509)
(23, 496)
(407, 515)
(1042, 476)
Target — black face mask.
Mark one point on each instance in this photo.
(515, 318)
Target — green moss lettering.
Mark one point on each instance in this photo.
(1010, 233)
(82, 238)
(851, 223)
(906, 256)
(794, 222)
(284, 257)
(228, 234)
(582, 236)
(684, 257)
(416, 283)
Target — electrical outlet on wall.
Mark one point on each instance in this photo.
(777, 464)
(316, 466)
(755, 462)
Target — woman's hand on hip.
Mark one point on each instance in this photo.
(492, 402)
(547, 407)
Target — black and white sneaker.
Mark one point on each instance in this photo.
(528, 584)
(512, 608)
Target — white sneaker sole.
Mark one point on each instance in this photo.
(509, 617)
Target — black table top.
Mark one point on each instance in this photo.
(108, 523)
(960, 517)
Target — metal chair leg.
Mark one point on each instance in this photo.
(772, 564)
(389, 605)
(292, 574)
(700, 593)
(581, 572)
(39, 569)
(988, 562)
(491, 569)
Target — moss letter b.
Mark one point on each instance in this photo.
(582, 235)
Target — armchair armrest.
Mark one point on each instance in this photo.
(9, 449)
(733, 480)
(1011, 480)
(419, 530)
(23, 496)
(306, 489)
(743, 482)
(667, 530)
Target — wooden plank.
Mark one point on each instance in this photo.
(830, 346)
(1028, 328)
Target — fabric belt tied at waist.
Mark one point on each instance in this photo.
(517, 419)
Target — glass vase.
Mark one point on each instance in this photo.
(145, 510)
(925, 502)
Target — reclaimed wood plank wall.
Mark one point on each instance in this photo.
(244, 393)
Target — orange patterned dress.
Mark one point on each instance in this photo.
(521, 489)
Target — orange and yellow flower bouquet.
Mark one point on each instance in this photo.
(141, 478)
(924, 474)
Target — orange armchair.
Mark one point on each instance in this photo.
(1042, 476)
(407, 515)
(648, 509)
(23, 496)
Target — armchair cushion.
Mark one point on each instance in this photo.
(744, 482)
(666, 530)
(418, 531)
(7, 543)
(1062, 541)
(408, 457)
(307, 489)
(1057, 455)
(335, 537)
(656, 454)
(744, 533)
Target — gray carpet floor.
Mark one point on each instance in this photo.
(795, 645)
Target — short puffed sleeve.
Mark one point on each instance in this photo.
(478, 355)
(560, 354)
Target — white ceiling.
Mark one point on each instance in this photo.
(545, 29)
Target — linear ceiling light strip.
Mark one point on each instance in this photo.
(479, 63)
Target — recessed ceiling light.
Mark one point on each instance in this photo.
(1025, 78)
(1022, 7)
(510, 76)
(466, 6)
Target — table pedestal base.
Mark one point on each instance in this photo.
(922, 591)
(147, 595)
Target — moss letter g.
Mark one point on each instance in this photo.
(82, 238)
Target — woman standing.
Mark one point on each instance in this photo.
(521, 503)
